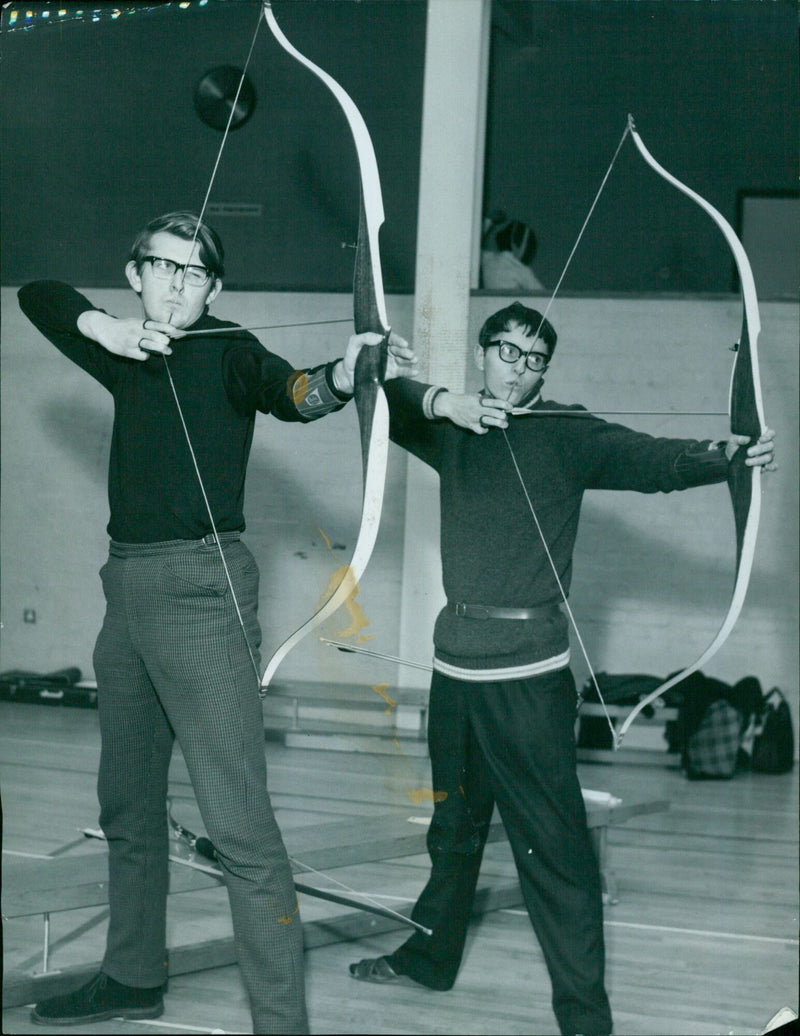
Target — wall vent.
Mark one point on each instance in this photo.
(241, 209)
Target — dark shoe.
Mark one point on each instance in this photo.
(99, 1000)
(375, 969)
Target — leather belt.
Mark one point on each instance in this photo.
(211, 540)
(487, 611)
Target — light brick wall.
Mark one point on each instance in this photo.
(652, 574)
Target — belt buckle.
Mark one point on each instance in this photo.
(210, 539)
(461, 609)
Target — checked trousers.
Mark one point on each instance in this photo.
(511, 743)
(171, 662)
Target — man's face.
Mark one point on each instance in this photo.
(172, 300)
(512, 381)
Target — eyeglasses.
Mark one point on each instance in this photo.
(165, 270)
(510, 353)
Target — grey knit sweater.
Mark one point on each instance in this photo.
(492, 553)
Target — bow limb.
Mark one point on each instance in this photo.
(372, 215)
(747, 418)
(205, 847)
(371, 510)
(369, 315)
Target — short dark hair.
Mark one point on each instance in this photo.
(517, 315)
(188, 226)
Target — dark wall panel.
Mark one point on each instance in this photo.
(713, 89)
(99, 133)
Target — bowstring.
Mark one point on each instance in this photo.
(560, 588)
(531, 508)
(183, 834)
(581, 232)
(207, 503)
(308, 869)
(184, 426)
(204, 206)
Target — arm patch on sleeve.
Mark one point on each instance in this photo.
(312, 395)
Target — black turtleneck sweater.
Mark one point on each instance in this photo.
(221, 380)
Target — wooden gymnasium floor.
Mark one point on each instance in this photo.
(702, 940)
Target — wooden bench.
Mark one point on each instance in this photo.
(644, 742)
(43, 887)
(365, 707)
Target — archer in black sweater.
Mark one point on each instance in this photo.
(178, 653)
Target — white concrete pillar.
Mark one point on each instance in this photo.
(448, 241)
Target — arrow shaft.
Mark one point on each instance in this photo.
(264, 327)
(523, 412)
(350, 649)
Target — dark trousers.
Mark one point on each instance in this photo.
(171, 662)
(512, 743)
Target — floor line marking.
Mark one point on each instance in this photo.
(11, 739)
(686, 931)
(702, 931)
(159, 1023)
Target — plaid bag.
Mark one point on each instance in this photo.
(711, 750)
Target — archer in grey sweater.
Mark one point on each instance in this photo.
(513, 470)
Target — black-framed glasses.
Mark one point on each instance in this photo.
(510, 353)
(165, 270)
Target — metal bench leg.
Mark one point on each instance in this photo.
(609, 882)
(46, 948)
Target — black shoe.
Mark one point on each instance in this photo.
(99, 1000)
